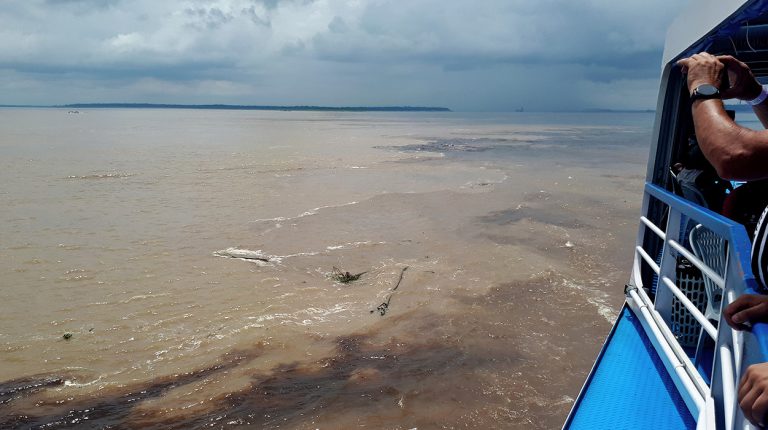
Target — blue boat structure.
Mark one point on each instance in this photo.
(670, 361)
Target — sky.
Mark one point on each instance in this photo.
(468, 55)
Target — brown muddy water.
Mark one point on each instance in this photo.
(188, 257)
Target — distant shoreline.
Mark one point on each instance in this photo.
(300, 108)
(241, 107)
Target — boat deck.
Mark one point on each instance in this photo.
(629, 388)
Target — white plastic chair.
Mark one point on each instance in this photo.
(710, 249)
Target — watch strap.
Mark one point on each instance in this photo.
(761, 98)
(710, 92)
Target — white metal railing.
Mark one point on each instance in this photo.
(715, 404)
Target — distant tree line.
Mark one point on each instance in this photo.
(255, 107)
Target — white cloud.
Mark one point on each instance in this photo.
(267, 51)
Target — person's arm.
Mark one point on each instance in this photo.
(746, 310)
(761, 111)
(753, 393)
(736, 152)
(744, 86)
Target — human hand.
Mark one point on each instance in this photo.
(744, 86)
(753, 393)
(746, 308)
(702, 69)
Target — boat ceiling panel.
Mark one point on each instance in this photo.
(702, 27)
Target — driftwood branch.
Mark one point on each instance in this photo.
(402, 272)
(382, 308)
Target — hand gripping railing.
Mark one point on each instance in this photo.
(715, 405)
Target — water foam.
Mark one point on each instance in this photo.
(349, 245)
(257, 257)
(304, 214)
(303, 317)
(110, 175)
(479, 183)
(144, 296)
(69, 383)
(261, 258)
(597, 298)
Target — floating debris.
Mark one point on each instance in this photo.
(67, 336)
(384, 307)
(243, 254)
(345, 277)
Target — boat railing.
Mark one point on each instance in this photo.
(655, 294)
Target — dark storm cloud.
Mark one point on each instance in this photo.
(463, 36)
(95, 3)
(82, 5)
(272, 4)
(211, 18)
(187, 71)
(472, 55)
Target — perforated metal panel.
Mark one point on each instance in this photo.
(683, 325)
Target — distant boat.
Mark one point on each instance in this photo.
(521, 109)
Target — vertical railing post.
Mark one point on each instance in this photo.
(728, 364)
(663, 302)
(636, 278)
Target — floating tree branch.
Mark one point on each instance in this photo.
(345, 277)
(384, 307)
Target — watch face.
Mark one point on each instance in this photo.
(707, 90)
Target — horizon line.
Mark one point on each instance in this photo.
(222, 106)
(318, 108)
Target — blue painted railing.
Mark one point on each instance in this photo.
(740, 247)
(734, 351)
(710, 398)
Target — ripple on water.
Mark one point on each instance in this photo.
(97, 176)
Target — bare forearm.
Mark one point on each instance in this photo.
(761, 111)
(736, 152)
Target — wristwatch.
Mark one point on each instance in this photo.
(705, 92)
